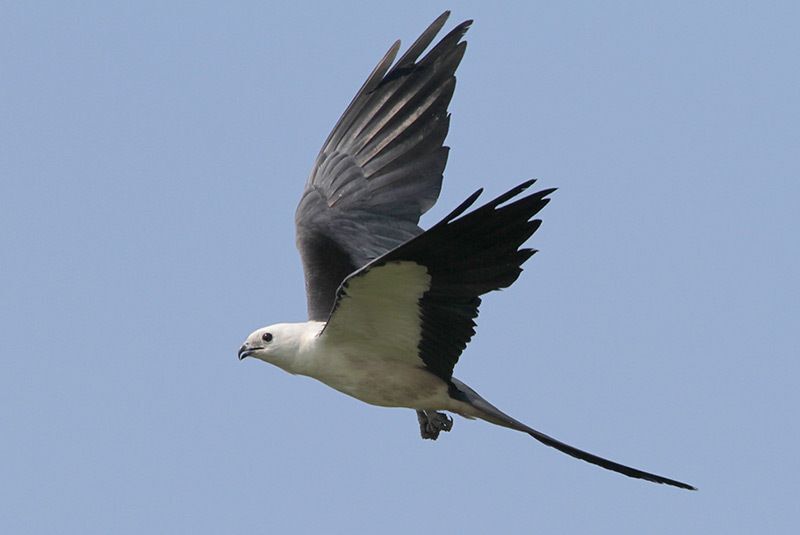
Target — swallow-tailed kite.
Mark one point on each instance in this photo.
(390, 306)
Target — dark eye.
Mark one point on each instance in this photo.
(267, 337)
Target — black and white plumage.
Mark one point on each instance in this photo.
(391, 307)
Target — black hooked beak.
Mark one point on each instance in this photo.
(246, 350)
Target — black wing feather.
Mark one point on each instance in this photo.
(466, 257)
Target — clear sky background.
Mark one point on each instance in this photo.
(151, 157)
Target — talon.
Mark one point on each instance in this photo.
(431, 423)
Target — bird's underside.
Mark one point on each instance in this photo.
(415, 387)
(392, 307)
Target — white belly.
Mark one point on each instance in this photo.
(381, 381)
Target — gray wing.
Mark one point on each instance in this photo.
(381, 167)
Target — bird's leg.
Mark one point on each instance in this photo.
(431, 423)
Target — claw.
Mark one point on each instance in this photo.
(431, 423)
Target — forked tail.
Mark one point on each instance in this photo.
(490, 413)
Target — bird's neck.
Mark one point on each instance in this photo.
(299, 355)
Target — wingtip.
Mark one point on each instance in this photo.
(376, 76)
(549, 191)
(510, 194)
(528, 183)
(461, 208)
(423, 41)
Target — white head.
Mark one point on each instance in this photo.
(279, 344)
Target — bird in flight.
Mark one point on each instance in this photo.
(392, 306)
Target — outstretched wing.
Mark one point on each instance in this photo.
(419, 300)
(381, 167)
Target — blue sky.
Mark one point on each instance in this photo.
(151, 156)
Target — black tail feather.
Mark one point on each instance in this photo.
(490, 413)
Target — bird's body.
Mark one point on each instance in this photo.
(392, 307)
(393, 380)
